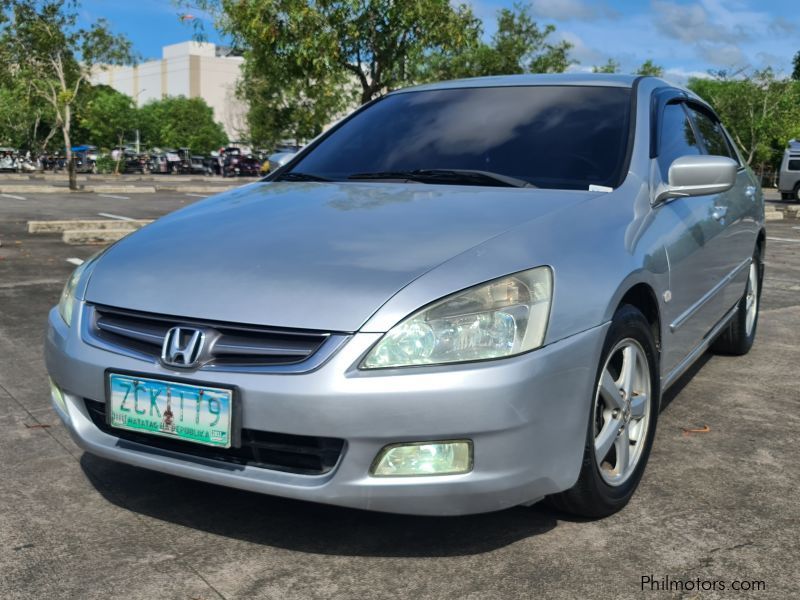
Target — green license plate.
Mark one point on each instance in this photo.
(181, 411)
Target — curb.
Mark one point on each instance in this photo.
(85, 225)
(92, 237)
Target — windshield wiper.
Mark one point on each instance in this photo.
(296, 176)
(451, 176)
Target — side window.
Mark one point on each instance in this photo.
(794, 165)
(676, 137)
(712, 135)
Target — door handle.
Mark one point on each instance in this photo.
(719, 212)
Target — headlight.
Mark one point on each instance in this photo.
(67, 301)
(500, 318)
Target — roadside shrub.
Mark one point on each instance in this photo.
(105, 164)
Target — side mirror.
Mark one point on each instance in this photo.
(698, 176)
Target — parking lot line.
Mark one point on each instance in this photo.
(774, 239)
(12, 196)
(114, 197)
(198, 195)
(75, 261)
(117, 217)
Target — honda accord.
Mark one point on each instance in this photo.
(463, 297)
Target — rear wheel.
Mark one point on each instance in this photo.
(622, 421)
(738, 337)
(796, 193)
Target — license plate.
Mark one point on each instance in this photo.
(181, 411)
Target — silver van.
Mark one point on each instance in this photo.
(789, 178)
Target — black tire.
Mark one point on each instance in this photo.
(591, 496)
(796, 193)
(734, 339)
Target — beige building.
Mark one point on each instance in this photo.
(191, 69)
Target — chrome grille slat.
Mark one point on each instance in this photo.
(232, 346)
(143, 335)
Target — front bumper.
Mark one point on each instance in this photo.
(527, 417)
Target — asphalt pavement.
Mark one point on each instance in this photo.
(715, 506)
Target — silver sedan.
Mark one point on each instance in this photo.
(464, 297)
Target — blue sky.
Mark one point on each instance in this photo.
(687, 37)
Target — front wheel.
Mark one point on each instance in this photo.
(622, 420)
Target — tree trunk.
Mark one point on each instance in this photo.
(73, 179)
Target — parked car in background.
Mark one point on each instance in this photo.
(248, 165)
(8, 159)
(464, 297)
(789, 176)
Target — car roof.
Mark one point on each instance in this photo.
(577, 79)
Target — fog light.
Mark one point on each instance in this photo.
(424, 458)
(58, 396)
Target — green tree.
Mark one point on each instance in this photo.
(106, 117)
(44, 46)
(178, 122)
(611, 66)
(308, 61)
(760, 111)
(25, 121)
(796, 64)
(648, 67)
(519, 45)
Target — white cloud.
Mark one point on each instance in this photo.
(566, 10)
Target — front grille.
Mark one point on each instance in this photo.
(300, 454)
(228, 344)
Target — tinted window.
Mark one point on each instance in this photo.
(794, 165)
(712, 135)
(676, 137)
(551, 136)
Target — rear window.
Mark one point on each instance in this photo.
(794, 165)
(567, 137)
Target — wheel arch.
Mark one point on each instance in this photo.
(642, 296)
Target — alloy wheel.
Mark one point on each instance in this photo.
(622, 412)
(751, 300)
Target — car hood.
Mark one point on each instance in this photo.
(307, 255)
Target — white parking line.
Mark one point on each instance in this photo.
(114, 197)
(75, 261)
(12, 196)
(783, 240)
(117, 217)
(198, 195)
(795, 227)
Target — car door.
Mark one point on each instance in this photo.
(688, 230)
(734, 210)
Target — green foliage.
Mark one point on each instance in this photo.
(796, 64)
(519, 45)
(760, 111)
(106, 118)
(105, 164)
(611, 66)
(310, 61)
(54, 57)
(178, 122)
(648, 67)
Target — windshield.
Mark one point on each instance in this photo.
(566, 137)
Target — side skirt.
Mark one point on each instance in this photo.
(709, 337)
